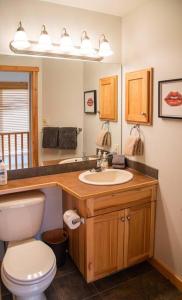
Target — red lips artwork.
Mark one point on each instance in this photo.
(90, 102)
(173, 99)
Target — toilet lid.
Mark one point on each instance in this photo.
(28, 261)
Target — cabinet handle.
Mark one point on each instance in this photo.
(122, 219)
(128, 218)
(143, 113)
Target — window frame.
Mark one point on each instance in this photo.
(33, 72)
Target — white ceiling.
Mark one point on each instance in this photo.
(112, 7)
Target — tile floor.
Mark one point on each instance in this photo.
(141, 282)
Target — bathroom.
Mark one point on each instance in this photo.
(143, 34)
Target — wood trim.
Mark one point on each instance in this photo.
(166, 272)
(9, 85)
(34, 129)
(19, 68)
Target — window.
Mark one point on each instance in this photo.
(19, 116)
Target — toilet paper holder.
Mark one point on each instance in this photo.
(78, 220)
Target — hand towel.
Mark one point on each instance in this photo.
(50, 137)
(67, 138)
(120, 166)
(104, 138)
(100, 137)
(118, 159)
(107, 140)
(134, 146)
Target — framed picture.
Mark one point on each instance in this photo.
(170, 98)
(90, 102)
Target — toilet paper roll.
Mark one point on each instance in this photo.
(69, 217)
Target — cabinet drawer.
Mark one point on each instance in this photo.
(117, 201)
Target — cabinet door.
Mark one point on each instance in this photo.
(104, 243)
(139, 97)
(139, 230)
(108, 88)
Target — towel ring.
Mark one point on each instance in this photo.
(137, 127)
(106, 123)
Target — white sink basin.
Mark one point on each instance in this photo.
(75, 159)
(106, 177)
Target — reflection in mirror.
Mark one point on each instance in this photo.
(68, 118)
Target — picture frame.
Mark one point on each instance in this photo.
(170, 99)
(90, 102)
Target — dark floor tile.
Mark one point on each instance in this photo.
(123, 291)
(67, 268)
(4, 290)
(152, 285)
(73, 287)
(139, 269)
(51, 293)
(7, 297)
(111, 281)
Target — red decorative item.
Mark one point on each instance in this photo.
(90, 102)
(173, 99)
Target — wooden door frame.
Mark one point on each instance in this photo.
(33, 71)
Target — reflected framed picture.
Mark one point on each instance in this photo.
(170, 98)
(90, 102)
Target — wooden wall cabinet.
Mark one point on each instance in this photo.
(139, 96)
(118, 231)
(108, 91)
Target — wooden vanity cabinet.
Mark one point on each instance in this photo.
(114, 236)
(118, 240)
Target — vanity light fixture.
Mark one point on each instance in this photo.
(104, 46)
(65, 49)
(44, 40)
(66, 43)
(86, 45)
(20, 38)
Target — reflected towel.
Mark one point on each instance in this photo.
(104, 138)
(50, 137)
(67, 138)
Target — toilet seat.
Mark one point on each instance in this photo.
(28, 262)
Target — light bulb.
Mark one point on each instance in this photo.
(86, 45)
(20, 38)
(44, 40)
(66, 43)
(105, 48)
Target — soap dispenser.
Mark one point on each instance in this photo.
(104, 162)
(99, 155)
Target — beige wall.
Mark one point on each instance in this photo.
(92, 124)
(62, 93)
(152, 37)
(34, 13)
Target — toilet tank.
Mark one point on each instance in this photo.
(21, 215)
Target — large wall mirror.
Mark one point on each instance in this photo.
(43, 100)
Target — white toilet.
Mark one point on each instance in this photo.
(29, 265)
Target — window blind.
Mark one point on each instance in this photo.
(15, 122)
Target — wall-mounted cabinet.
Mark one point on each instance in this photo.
(139, 96)
(108, 90)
